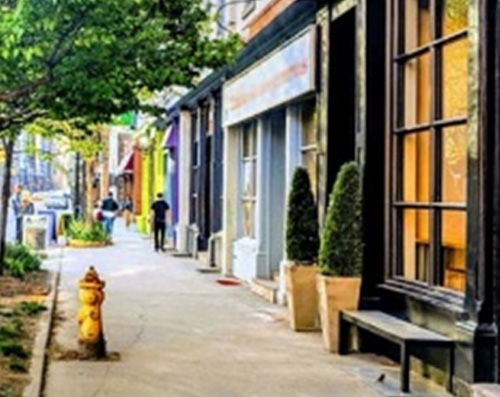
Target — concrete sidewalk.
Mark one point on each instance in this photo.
(179, 333)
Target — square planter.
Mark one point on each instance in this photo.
(302, 296)
(335, 294)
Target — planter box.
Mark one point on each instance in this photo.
(302, 296)
(88, 244)
(335, 294)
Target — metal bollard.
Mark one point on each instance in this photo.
(91, 339)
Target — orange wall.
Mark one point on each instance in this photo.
(266, 16)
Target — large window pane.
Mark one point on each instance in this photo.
(418, 27)
(454, 164)
(416, 244)
(455, 72)
(248, 218)
(417, 90)
(249, 172)
(453, 248)
(416, 163)
(454, 16)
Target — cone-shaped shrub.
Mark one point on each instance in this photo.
(341, 240)
(302, 230)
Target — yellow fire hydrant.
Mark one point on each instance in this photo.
(91, 338)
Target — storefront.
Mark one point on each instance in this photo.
(270, 129)
(199, 157)
(426, 121)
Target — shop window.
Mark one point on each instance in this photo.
(429, 145)
(249, 173)
(309, 145)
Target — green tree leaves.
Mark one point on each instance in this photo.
(91, 59)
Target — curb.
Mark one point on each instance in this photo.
(42, 339)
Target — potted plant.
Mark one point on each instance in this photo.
(340, 255)
(302, 243)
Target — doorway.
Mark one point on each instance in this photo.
(342, 93)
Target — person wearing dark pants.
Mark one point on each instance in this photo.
(159, 213)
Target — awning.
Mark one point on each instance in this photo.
(126, 165)
(171, 139)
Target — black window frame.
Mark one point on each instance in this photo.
(398, 57)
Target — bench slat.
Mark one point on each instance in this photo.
(396, 329)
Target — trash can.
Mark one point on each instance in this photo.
(51, 226)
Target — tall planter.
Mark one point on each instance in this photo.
(302, 242)
(340, 256)
(302, 296)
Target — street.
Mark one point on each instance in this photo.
(179, 333)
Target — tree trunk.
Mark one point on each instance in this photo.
(77, 198)
(89, 196)
(104, 136)
(8, 145)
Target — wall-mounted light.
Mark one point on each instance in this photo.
(144, 142)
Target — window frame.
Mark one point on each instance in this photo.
(398, 58)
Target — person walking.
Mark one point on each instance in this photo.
(16, 207)
(128, 211)
(109, 209)
(159, 213)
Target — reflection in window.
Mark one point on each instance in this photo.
(454, 164)
(416, 162)
(309, 144)
(455, 71)
(416, 242)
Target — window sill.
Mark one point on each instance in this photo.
(441, 298)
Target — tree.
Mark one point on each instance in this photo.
(341, 249)
(91, 59)
(302, 230)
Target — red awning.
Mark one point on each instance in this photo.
(126, 165)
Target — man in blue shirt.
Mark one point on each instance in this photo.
(109, 210)
(159, 212)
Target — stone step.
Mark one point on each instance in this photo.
(485, 390)
(267, 289)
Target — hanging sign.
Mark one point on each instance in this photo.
(281, 77)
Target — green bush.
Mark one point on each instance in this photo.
(84, 231)
(31, 308)
(12, 348)
(302, 230)
(341, 249)
(20, 260)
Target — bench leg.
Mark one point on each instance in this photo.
(451, 370)
(405, 368)
(344, 328)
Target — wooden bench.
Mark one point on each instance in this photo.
(408, 336)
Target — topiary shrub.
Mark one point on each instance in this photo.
(302, 230)
(341, 249)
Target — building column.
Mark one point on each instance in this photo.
(230, 194)
(293, 159)
(262, 215)
(184, 178)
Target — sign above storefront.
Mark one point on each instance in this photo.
(281, 77)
